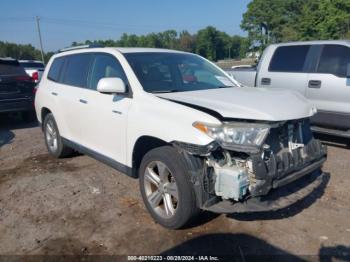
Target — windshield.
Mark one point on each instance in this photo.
(176, 72)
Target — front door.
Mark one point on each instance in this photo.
(104, 121)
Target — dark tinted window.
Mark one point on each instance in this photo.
(11, 67)
(76, 70)
(289, 59)
(105, 66)
(334, 60)
(32, 64)
(55, 69)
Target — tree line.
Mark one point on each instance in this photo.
(208, 42)
(273, 21)
(265, 21)
(20, 51)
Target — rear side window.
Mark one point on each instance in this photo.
(76, 70)
(11, 67)
(105, 66)
(289, 59)
(334, 60)
(55, 69)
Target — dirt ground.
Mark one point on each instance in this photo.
(80, 206)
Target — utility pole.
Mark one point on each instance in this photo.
(41, 42)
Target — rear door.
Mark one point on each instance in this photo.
(329, 88)
(285, 67)
(67, 92)
(15, 85)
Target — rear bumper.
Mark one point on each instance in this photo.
(298, 187)
(16, 105)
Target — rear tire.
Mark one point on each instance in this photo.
(166, 189)
(53, 140)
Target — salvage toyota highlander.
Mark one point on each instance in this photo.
(193, 137)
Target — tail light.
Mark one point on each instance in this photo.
(35, 76)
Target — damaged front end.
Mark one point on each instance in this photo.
(251, 162)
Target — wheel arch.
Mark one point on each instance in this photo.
(44, 112)
(143, 145)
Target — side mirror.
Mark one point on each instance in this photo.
(111, 85)
(348, 71)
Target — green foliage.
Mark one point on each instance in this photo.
(290, 20)
(25, 52)
(18, 51)
(208, 42)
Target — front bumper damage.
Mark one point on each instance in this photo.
(233, 181)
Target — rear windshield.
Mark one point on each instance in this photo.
(11, 68)
(32, 65)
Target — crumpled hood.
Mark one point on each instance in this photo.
(268, 104)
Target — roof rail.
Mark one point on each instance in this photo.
(79, 47)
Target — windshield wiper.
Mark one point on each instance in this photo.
(225, 86)
(164, 91)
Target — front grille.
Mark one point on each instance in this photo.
(292, 147)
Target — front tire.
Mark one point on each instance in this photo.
(166, 188)
(53, 140)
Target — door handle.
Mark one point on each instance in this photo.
(54, 94)
(83, 101)
(265, 81)
(117, 112)
(315, 84)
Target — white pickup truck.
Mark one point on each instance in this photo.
(34, 68)
(319, 70)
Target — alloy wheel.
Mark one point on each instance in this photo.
(161, 189)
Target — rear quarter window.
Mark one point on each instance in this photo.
(289, 59)
(55, 69)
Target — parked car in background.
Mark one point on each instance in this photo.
(183, 127)
(319, 70)
(33, 68)
(16, 89)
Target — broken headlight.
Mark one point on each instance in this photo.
(235, 134)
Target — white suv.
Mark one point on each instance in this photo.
(183, 127)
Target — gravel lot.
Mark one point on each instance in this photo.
(80, 206)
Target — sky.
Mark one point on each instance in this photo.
(65, 21)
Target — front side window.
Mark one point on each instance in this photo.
(175, 72)
(76, 70)
(289, 59)
(334, 60)
(104, 65)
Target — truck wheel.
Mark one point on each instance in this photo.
(53, 139)
(166, 188)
